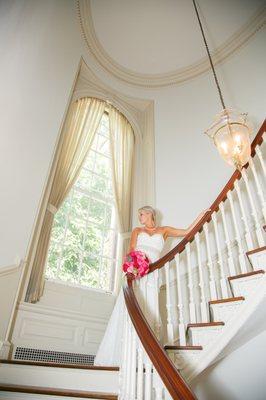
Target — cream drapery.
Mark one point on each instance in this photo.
(78, 133)
(122, 156)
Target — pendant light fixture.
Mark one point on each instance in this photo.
(231, 129)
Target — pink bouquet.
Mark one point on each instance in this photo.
(136, 263)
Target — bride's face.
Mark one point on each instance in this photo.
(145, 217)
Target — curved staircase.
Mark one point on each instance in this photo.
(211, 303)
(214, 293)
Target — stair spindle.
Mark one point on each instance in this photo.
(241, 254)
(259, 154)
(223, 282)
(230, 259)
(170, 328)
(248, 237)
(181, 325)
(253, 208)
(212, 284)
(192, 307)
(203, 302)
(259, 189)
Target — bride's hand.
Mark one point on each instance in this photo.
(208, 210)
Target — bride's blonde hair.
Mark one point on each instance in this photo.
(149, 209)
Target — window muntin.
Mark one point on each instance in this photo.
(83, 247)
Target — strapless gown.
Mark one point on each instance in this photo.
(109, 352)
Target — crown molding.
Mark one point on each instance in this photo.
(222, 52)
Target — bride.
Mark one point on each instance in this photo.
(149, 239)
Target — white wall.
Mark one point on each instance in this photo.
(40, 51)
(41, 47)
(239, 376)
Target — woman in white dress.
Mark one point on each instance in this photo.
(149, 239)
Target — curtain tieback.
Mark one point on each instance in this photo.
(51, 208)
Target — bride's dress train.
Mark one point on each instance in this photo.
(109, 352)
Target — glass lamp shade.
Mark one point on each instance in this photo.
(231, 135)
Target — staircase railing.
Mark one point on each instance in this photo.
(195, 272)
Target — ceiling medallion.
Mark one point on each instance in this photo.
(230, 46)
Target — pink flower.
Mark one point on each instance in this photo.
(136, 263)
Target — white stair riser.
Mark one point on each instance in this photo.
(225, 311)
(182, 357)
(204, 336)
(245, 286)
(66, 378)
(258, 260)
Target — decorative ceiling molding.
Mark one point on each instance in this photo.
(230, 46)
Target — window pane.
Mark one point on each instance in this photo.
(90, 274)
(97, 212)
(93, 240)
(84, 235)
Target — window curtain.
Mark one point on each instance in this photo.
(122, 152)
(80, 127)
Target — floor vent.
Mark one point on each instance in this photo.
(25, 353)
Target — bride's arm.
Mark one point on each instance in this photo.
(133, 239)
(169, 231)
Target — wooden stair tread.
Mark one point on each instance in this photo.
(58, 365)
(228, 300)
(259, 271)
(204, 324)
(57, 392)
(172, 347)
(257, 250)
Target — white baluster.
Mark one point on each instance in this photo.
(181, 325)
(248, 237)
(203, 303)
(157, 322)
(241, 256)
(170, 328)
(259, 154)
(230, 259)
(192, 307)
(128, 376)
(220, 258)
(148, 372)
(133, 365)
(123, 364)
(259, 189)
(253, 208)
(210, 264)
(140, 372)
(157, 385)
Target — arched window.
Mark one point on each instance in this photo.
(83, 246)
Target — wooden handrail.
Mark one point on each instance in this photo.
(170, 376)
(214, 207)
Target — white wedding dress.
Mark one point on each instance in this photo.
(109, 352)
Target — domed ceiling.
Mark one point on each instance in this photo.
(158, 42)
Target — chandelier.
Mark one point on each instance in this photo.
(231, 129)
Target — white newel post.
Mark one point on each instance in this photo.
(203, 303)
(259, 154)
(181, 325)
(170, 328)
(253, 208)
(148, 378)
(259, 189)
(220, 258)
(210, 264)
(133, 365)
(241, 255)
(192, 307)
(230, 259)
(248, 237)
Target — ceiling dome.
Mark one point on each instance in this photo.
(158, 42)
